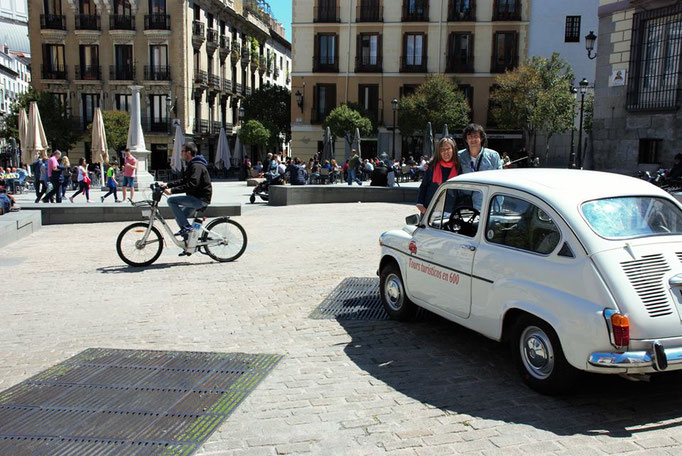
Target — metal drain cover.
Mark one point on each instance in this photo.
(355, 298)
(127, 402)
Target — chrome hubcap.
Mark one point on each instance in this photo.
(537, 352)
(393, 290)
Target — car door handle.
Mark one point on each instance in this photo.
(469, 247)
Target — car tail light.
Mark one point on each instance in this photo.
(621, 329)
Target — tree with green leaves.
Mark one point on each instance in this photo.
(116, 125)
(61, 131)
(535, 97)
(343, 120)
(254, 133)
(439, 101)
(271, 106)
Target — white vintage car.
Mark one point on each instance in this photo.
(578, 270)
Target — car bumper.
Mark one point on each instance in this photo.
(657, 358)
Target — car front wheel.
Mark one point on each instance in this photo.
(392, 289)
(539, 358)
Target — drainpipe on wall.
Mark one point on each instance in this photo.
(440, 37)
(350, 13)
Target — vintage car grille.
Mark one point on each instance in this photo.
(646, 276)
(679, 256)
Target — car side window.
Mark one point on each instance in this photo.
(514, 222)
(457, 211)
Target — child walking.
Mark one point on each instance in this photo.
(112, 184)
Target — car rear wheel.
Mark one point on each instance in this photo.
(539, 358)
(392, 289)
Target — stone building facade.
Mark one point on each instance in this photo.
(372, 51)
(196, 60)
(637, 120)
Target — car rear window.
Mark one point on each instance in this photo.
(632, 216)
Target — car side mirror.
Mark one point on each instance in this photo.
(413, 219)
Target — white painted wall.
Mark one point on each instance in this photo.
(547, 32)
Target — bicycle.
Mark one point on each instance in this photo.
(141, 243)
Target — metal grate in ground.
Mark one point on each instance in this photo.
(127, 402)
(355, 298)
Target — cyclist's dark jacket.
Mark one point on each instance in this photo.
(195, 180)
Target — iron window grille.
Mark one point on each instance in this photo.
(572, 34)
(462, 10)
(655, 54)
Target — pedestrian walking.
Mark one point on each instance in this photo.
(112, 184)
(40, 173)
(66, 175)
(83, 182)
(353, 166)
(129, 168)
(54, 175)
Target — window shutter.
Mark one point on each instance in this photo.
(336, 53)
(358, 49)
(380, 48)
(315, 109)
(316, 51)
(449, 52)
(425, 52)
(331, 98)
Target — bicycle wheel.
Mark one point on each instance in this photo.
(225, 240)
(130, 248)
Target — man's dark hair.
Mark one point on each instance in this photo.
(475, 128)
(126, 150)
(191, 148)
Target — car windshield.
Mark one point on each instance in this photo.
(632, 216)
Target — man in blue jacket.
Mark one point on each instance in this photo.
(477, 157)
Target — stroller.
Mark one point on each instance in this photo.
(263, 189)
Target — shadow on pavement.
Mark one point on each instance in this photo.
(442, 364)
(125, 269)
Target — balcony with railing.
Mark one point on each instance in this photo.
(507, 10)
(248, 90)
(88, 72)
(413, 64)
(200, 77)
(157, 73)
(214, 127)
(122, 72)
(417, 11)
(326, 64)
(327, 14)
(155, 125)
(49, 72)
(88, 22)
(198, 36)
(52, 22)
(214, 82)
(369, 13)
(212, 39)
(457, 64)
(227, 85)
(500, 64)
(461, 11)
(238, 88)
(368, 64)
(316, 117)
(225, 47)
(157, 22)
(121, 22)
(200, 127)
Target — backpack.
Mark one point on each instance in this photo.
(74, 175)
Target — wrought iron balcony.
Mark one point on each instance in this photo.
(326, 64)
(155, 125)
(52, 22)
(121, 22)
(413, 64)
(369, 13)
(224, 46)
(157, 73)
(214, 81)
(416, 12)
(157, 22)
(212, 36)
(49, 72)
(227, 85)
(327, 14)
(122, 72)
(459, 66)
(248, 90)
(368, 64)
(200, 126)
(198, 29)
(238, 89)
(456, 13)
(88, 72)
(507, 10)
(200, 77)
(502, 64)
(88, 22)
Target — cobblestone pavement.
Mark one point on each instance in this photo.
(349, 388)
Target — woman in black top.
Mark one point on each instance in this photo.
(445, 165)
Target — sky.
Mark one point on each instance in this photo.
(281, 9)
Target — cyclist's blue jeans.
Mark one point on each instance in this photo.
(184, 206)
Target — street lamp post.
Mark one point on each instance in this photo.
(394, 105)
(571, 160)
(583, 90)
(590, 38)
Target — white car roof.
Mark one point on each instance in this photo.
(566, 189)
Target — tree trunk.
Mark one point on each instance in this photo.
(549, 136)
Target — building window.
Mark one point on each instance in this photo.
(157, 6)
(324, 102)
(369, 50)
(52, 7)
(655, 69)
(326, 55)
(507, 10)
(572, 34)
(415, 10)
(461, 10)
(327, 11)
(505, 52)
(649, 151)
(414, 55)
(122, 102)
(54, 66)
(123, 58)
(368, 97)
(89, 67)
(90, 101)
(460, 53)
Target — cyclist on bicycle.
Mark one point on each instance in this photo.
(195, 183)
